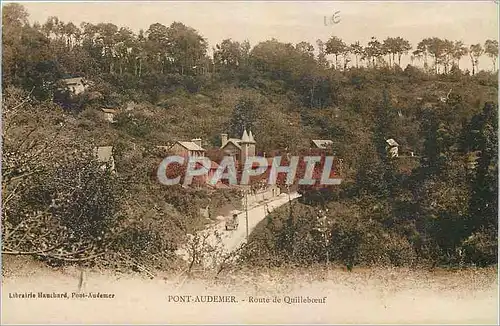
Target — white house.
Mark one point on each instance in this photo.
(392, 147)
(109, 114)
(104, 155)
(75, 85)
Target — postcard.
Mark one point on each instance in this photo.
(249, 162)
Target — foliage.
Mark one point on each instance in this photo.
(436, 202)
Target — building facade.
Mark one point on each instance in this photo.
(239, 148)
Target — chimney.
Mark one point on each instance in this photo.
(197, 141)
(223, 139)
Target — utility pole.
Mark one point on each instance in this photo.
(289, 199)
(327, 249)
(246, 211)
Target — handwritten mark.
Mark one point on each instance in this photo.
(334, 19)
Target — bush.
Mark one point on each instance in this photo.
(66, 213)
(135, 125)
(353, 239)
(481, 248)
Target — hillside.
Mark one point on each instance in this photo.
(438, 207)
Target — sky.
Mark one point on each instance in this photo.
(287, 21)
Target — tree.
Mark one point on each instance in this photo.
(139, 53)
(476, 51)
(357, 50)
(390, 47)
(435, 47)
(396, 46)
(482, 141)
(322, 62)
(374, 50)
(124, 43)
(228, 53)
(335, 46)
(14, 15)
(422, 50)
(14, 18)
(158, 45)
(448, 53)
(107, 38)
(244, 116)
(186, 47)
(459, 51)
(491, 50)
(403, 47)
(59, 204)
(305, 48)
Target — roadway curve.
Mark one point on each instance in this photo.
(233, 239)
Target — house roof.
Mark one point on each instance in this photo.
(234, 141)
(104, 153)
(75, 80)
(190, 146)
(392, 142)
(322, 143)
(245, 137)
(110, 110)
(250, 137)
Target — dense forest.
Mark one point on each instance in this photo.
(436, 207)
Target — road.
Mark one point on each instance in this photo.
(233, 239)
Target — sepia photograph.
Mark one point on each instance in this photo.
(249, 162)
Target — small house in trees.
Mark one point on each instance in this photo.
(392, 147)
(188, 148)
(75, 85)
(130, 106)
(104, 155)
(321, 143)
(109, 114)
